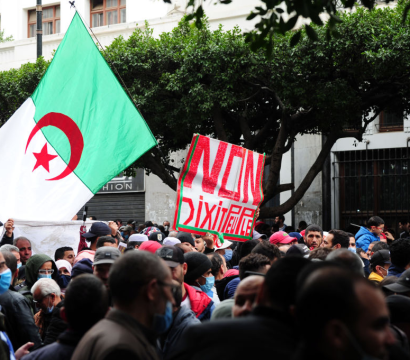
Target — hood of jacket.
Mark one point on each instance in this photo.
(367, 233)
(394, 270)
(34, 264)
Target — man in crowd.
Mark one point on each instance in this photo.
(336, 239)
(346, 327)
(103, 260)
(282, 238)
(199, 244)
(366, 235)
(218, 268)
(85, 303)
(141, 287)
(313, 236)
(404, 228)
(24, 246)
(97, 230)
(106, 241)
(15, 251)
(400, 257)
(46, 296)
(352, 243)
(280, 222)
(269, 250)
(65, 253)
(19, 320)
(253, 263)
(379, 264)
(8, 234)
(245, 295)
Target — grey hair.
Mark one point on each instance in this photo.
(9, 247)
(20, 238)
(173, 234)
(47, 287)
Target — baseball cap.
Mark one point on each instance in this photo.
(281, 237)
(150, 245)
(402, 285)
(380, 257)
(295, 234)
(171, 241)
(185, 237)
(106, 255)
(298, 250)
(156, 236)
(256, 236)
(172, 255)
(126, 228)
(225, 245)
(98, 229)
(138, 237)
(399, 308)
(148, 230)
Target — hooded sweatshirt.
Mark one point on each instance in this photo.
(33, 265)
(364, 237)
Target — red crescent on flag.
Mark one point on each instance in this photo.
(74, 136)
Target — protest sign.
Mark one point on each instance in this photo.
(219, 189)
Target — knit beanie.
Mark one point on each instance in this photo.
(198, 264)
(185, 237)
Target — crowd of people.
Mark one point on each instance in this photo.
(146, 291)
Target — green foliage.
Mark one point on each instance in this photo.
(3, 38)
(16, 85)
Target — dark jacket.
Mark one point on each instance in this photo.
(394, 270)
(56, 326)
(118, 336)
(6, 240)
(19, 320)
(33, 265)
(220, 286)
(183, 318)
(201, 303)
(62, 349)
(266, 333)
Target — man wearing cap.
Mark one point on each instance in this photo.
(104, 258)
(225, 251)
(402, 286)
(283, 238)
(126, 231)
(379, 264)
(192, 298)
(97, 230)
(157, 236)
(136, 240)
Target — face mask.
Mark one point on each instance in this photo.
(353, 250)
(63, 281)
(210, 281)
(49, 308)
(5, 280)
(44, 276)
(163, 322)
(19, 265)
(126, 237)
(228, 254)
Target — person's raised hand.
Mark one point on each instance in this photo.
(23, 350)
(9, 226)
(114, 227)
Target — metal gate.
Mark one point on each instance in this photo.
(372, 182)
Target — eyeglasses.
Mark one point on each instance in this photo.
(46, 272)
(174, 288)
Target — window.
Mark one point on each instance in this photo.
(107, 12)
(51, 21)
(390, 121)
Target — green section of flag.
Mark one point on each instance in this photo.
(80, 84)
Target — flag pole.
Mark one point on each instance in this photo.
(39, 32)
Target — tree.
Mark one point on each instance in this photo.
(200, 81)
(280, 16)
(3, 38)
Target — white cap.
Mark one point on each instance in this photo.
(138, 237)
(171, 241)
(225, 245)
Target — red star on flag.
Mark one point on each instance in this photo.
(43, 158)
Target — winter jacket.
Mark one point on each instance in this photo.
(33, 265)
(220, 286)
(56, 326)
(375, 277)
(394, 270)
(364, 237)
(19, 320)
(7, 240)
(183, 318)
(201, 303)
(62, 349)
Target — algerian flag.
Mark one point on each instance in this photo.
(76, 132)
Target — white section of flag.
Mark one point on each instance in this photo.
(24, 193)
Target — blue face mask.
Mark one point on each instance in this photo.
(126, 237)
(353, 250)
(19, 265)
(228, 254)
(43, 276)
(50, 308)
(63, 281)
(210, 281)
(5, 280)
(163, 322)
